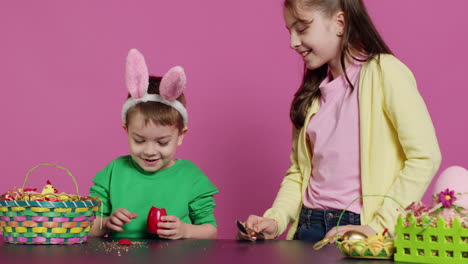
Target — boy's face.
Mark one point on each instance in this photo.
(152, 146)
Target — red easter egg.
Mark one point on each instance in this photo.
(125, 241)
(154, 217)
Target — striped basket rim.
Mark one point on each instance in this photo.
(11, 203)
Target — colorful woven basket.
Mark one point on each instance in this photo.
(440, 244)
(47, 222)
(364, 248)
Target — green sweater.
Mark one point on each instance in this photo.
(182, 189)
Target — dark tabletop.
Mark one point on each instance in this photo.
(178, 251)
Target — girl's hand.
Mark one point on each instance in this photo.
(257, 224)
(365, 229)
(119, 218)
(172, 228)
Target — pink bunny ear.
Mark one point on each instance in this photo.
(136, 74)
(173, 83)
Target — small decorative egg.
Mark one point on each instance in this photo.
(353, 235)
(154, 217)
(359, 247)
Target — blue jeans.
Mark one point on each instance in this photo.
(315, 223)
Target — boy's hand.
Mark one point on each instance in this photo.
(256, 224)
(119, 218)
(172, 228)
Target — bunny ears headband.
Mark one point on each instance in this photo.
(137, 79)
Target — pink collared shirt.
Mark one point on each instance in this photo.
(334, 139)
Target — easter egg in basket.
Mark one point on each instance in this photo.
(358, 245)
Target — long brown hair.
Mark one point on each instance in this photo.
(359, 34)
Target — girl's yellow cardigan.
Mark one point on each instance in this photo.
(398, 149)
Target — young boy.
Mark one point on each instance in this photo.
(155, 119)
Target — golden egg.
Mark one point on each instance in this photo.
(353, 235)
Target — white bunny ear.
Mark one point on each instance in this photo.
(136, 74)
(173, 83)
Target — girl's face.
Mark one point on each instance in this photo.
(316, 37)
(152, 146)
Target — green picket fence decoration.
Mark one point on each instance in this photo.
(440, 244)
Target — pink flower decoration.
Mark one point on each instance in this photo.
(447, 197)
(417, 209)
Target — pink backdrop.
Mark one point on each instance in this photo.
(62, 70)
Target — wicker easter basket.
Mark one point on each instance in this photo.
(47, 222)
(364, 249)
(361, 248)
